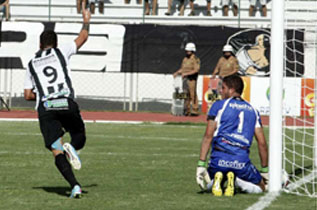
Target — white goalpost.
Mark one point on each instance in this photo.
(276, 84)
(293, 137)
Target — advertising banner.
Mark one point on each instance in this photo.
(308, 97)
(260, 95)
(210, 88)
(209, 93)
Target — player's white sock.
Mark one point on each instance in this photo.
(248, 186)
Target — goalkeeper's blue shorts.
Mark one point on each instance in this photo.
(241, 167)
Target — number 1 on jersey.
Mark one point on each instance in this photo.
(241, 119)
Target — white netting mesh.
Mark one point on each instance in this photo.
(299, 139)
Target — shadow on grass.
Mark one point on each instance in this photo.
(300, 171)
(64, 191)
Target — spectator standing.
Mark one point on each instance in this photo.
(79, 4)
(128, 1)
(4, 4)
(208, 8)
(252, 7)
(181, 7)
(192, 7)
(227, 65)
(225, 7)
(100, 6)
(147, 7)
(189, 71)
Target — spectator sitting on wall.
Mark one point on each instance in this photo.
(4, 5)
(252, 6)
(147, 7)
(225, 7)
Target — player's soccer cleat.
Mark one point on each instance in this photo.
(216, 187)
(76, 192)
(230, 184)
(72, 156)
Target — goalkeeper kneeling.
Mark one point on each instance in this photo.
(231, 125)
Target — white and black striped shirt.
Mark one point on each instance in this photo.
(49, 75)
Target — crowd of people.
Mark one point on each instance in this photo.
(152, 9)
(226, 5)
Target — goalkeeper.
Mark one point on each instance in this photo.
(232, 123)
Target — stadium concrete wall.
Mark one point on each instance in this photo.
(129, 62)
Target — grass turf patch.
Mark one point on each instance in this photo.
(124, 166)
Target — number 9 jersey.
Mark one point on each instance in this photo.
(48, 73)
(236, 121)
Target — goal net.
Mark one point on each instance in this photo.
(300, 70)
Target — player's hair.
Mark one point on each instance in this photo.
(235, 82)
(48, 38)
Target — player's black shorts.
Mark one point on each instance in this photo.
(54, 123)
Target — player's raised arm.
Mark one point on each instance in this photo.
(83, 35)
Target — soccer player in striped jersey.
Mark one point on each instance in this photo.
(48, 82)
(232, 123)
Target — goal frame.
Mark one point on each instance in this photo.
(276, 84)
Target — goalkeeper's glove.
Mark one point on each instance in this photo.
(202, 176)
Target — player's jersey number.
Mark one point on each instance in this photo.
(241, 120)
(51, 74)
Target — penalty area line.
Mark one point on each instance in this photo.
(86, 121)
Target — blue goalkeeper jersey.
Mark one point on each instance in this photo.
(236, 121)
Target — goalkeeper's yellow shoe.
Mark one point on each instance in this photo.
(216, 187)
(230, 184)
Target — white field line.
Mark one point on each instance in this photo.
(143, 123)
(122, 122)
(19, 119)
(106, 136)
(86, 121)
(44, 152)
(139, 123)
(266, 200)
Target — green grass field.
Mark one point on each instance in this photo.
(124, 167)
